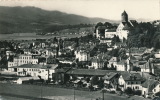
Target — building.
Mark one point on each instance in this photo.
(150, 87)
(22, 59)
(97, 63)
(113, 62)
(130, 80)
(82, 55)
(111, 80)
(125, 26)
(121, 65)
(43, 71)
(107, 41)
(109, 33)
(100, 31)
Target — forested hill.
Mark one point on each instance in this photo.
(29, 19)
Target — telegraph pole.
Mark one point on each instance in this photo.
(74, 93)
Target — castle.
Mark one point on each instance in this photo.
(125, 27)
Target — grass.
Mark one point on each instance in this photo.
(33, 36)
(33, 92)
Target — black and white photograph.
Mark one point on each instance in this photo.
(79, 49)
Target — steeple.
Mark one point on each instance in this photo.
(124, 16)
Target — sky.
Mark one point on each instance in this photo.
(108, 9)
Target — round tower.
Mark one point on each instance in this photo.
(124, 17)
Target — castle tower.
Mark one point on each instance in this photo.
(124, 17)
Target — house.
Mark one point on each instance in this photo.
(107, 41)
(100, 31)
(150, 87)
(121, 65)
(82, 55)
(20, 80)
(147, 67)
(66, 60)
(109, 33)
(136, 51)
(97, 63)
(130, 80)
(111, 80)
(113, 62)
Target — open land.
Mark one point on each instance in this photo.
(33, 92)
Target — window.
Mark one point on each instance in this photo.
(128, 82)
(136, 87)
(136, 82)
(154, 90)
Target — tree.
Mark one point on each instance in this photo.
(108, 25)
(98, 24)
(128, 91)
(94, 80)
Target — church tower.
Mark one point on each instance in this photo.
(124, 17)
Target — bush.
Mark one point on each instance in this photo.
(138, 92)
(129, 91)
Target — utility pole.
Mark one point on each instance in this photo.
(41, 91)
(103, 94)
(74, 93)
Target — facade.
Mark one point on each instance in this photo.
(113, 61)
(82, 55)
(45, 72)
(100, 32)
(22, 59)
(97, 63)
(107, 41)
(109, 33)
(130, 80)
(150, 87)
(121, 66)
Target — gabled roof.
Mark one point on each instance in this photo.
(122, 62)
(90, 72)
(150, 84)
(131, 76)
(134, 23)
(97, 60)
(109, 76)
(113, 59)
(35, 66)
(127, 26)
(124, 13)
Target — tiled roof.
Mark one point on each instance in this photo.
(150, 84)
(131, 76)
(110, 75)
(33, 66)
(97, 60)
(134, 23)
(91, 72)
(113, 59)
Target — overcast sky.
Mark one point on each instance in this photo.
(109, 9)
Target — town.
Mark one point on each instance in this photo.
(115, 59)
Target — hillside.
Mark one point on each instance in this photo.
(31, 19)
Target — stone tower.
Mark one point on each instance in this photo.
(124, 17)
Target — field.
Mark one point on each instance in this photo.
(32, 36)
(66, 33)
(33, 92)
